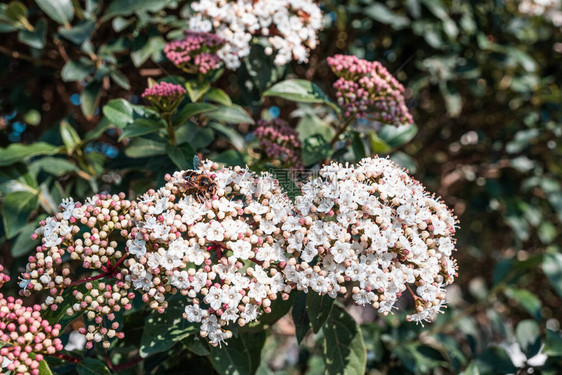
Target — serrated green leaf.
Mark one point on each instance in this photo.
(318, 309)
(16, 208)
(60, 11)
(302, 91)
(344, 350)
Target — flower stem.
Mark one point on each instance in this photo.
(342, 129)
(170, 127)
(65, 357)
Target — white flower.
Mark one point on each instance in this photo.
(137, 247)
(194, 313)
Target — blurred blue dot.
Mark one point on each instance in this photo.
(112, 152)
(14, 137)
(333, 16)
(18, 127)
(11, 115)
(75, 99)
(274, 112)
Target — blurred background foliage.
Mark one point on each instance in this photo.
(483, 83)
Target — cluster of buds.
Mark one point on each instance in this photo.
(26, 336)
(365, 89)
(196, 53)
(214, 236)
(280, 142)
(3, 277)
(164, 96)
(289, 26)
(89, 234)
(369, 231)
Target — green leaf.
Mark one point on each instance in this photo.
(196, 89)
(218, 96)
(233, 114)
(241, 356)
(18, 152)
(128, 7)
(23, 243)
(70, 138)
(553, 343)
(77, 70)
(315, 149)
(528, 300)
(528, 337)
(162, 331)
(89, 98)
(16, 208)
(495, 360)
(79, 33)
(141, 148)
(378, 146)
(310, 125)
(381, 13)
(231, 135)
(404, 160)
(142, 126)
(17, 178)
(198, 137)
(418, 358)
(35, 38)
(60, 11)
(318, 309)
(302, 91)
(358, 146)
(91, 366)
(44, 368)
(17, 12)
(344, 349)
(229, 157)
(182, 155)
(396, 136)
(552, 267)
(190, 110)
(119, 112)
(121, 79)
(300, 316)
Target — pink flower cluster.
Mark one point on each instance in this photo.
(367, 90)
(197, 53)
(164, 96)
(26, 334)
(83, 232)
(3, 277)
(280, 142)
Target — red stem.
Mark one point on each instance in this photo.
(91, 278)
(65, 357)
(128, 364)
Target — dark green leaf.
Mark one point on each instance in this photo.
(241, 355)
(230, 134)
(70, 138)
(300, 317)
(381, 13)
(181, 155)
(89, 98)
(142, 126)
(552, 267)
(190, 110)
(162, 331)
(404, 160)
(23, 243)
(196, 89)
(120, 78)
(79, 33)
(318, 308)
(496, 361)
(302, 91)
(358, 146)
(198, 137)
(344, 349)
(528, 337)
(91, 366)
(141, 148)
(60, 11)
(396, 136)
(16, 208)
(553, 343)
(19, 152)
(229, 157)
(119, 112)
(529, 301)
(77, 70)
(15, 179)
(35, 38)
(233, 114)
(128, 7)
(218, 96)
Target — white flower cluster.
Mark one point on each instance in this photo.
(224, 253)
(550, 9)
(372, 229)
(290, 27)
